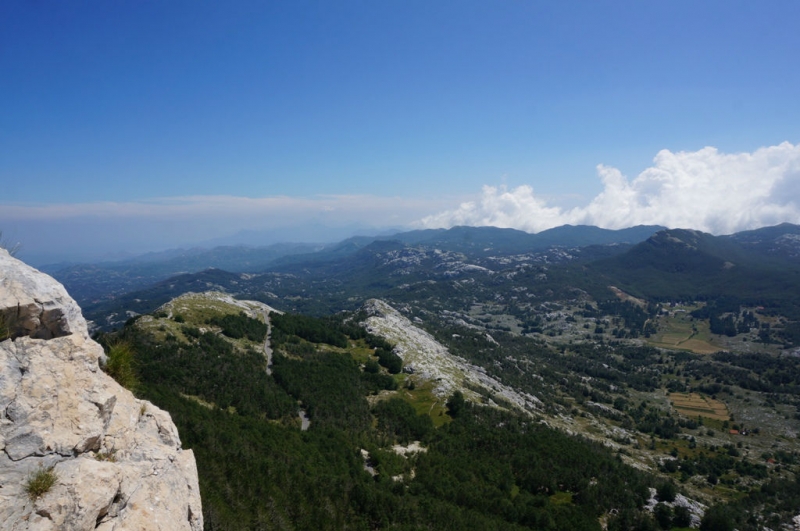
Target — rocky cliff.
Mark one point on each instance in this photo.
(116, 460)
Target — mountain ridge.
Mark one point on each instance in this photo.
(90, 283)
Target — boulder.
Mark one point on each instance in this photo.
(33, 304)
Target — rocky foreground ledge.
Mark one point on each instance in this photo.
(117, 460)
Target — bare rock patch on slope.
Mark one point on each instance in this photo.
(432, 361)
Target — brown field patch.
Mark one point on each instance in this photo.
(694, 404)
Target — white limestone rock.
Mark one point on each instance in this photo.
(430, 360)
(35, 305)
(696, 509)
(118, 460)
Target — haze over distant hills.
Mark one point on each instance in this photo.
(90, 282)
(649, 262)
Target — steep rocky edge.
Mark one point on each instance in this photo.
(118, 460)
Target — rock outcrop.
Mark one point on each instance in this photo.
(117, 460)
(429, 360)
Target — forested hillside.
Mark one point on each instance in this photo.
(478, 467)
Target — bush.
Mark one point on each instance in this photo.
(40, 482)
(374, 382)
(308, 328)
(372, 367)
(456, 404)
(120, 365)
(716, 519)
(390, 360)
(192, 331)
(681, 517)
(663, 515)
(8, 324)
(666, 492)
(397, 418)
(12, 248)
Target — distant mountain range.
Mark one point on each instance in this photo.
(92, 283)
(97, 281)
(760, 267)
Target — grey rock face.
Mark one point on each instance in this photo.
(33, 304)
(118, 460)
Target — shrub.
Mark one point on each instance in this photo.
(390, 360)
(666, 492)
(110, 456)
(309, 328)
(120, 365)
(663, 515)
(399, 419)
(371, 366)
(716, 519)
(8, 324)
(40, 482)
(192, 331)
(456, 404)
(681, 517)
(375, 382)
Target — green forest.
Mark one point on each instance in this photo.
(483, 468)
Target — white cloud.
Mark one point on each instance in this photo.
(706, 190)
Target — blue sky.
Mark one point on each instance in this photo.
(152, 124)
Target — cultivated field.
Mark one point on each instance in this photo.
(693, 404)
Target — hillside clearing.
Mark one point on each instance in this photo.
(694, 404)
(679, 331)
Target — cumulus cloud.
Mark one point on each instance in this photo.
(705, 190)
